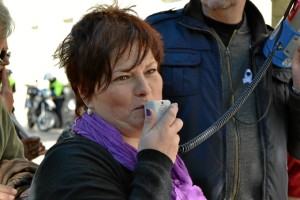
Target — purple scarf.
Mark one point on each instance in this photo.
(96, 129)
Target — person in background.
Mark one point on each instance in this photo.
(57, 92)
(118, 151)
(16, 172)
(213, 49)
(33, 146)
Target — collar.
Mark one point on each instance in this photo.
(255, 19)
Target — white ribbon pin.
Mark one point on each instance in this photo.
(248, 76)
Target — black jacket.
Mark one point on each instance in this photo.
(192, 78)
(79, 168)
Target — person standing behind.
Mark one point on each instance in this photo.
(213, 49)
(57, 91)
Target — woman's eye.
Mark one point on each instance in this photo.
(151, 71)
(122, 78)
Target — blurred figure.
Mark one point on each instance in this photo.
(57, 92)
(33, 147)
(16, 172)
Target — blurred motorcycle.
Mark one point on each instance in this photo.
(40, 109)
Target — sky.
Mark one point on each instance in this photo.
(32, 49)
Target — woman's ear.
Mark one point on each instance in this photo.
(82, 95)
(87, 101)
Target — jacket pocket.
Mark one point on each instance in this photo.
(181, 73)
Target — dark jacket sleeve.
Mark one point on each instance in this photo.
(78, 168)
(152, 178)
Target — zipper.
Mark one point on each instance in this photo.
(235, 131)
(232, 100)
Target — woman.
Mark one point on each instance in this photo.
(111, 59)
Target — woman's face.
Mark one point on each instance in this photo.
(122, 104)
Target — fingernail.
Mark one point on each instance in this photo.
(148, 112)
(175, 104)
(14, 191)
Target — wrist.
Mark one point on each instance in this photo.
(296, 90)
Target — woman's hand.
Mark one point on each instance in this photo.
(7, 193)
(162, 136)
(33, 147)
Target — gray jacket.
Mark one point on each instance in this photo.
(192, 77)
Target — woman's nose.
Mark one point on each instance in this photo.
(142, 86)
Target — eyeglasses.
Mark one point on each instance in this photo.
(2, 56)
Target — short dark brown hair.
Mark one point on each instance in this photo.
(101, 36)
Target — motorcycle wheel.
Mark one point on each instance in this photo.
(46, 121)
(30, 120)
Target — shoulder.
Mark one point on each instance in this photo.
(11, 145)
(76, 149)
(164, 16)
(77, 155)
(77, 164)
